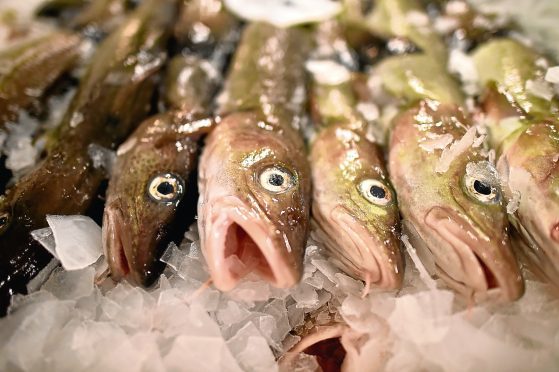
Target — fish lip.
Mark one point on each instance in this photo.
(113, 246)
(482, 273)
(233, 211)
(381, 273)
(554, 232)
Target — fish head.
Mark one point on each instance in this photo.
(147, 205)
(459, 213)
(253, 212)
(355, 208)
(530, 162)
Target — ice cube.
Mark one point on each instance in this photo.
(102, 157)
(284, 13)
(204, 354)
(305, 296)
(70, 285)
(552, 75)
(251, 349)
(78, 240)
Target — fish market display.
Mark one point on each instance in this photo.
(113, 97)
(354, 205)
(254, 177)
(271, 185)
(523, 127)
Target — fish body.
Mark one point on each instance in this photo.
(254, 178)
(452, 205)
(113, 96)
(524, 131)
(152, 191)
(29, 69)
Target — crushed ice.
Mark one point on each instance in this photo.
(70, 324)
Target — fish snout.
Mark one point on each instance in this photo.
(373, 255)
(113, 245)
(238, 241)
(130, 254)
(470, 260)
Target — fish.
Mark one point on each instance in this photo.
(254, 177)
(152, 193)
(354, 206)
(449, 193)
(29, 69)
(524, 132)
(334, 344)
(113, 96)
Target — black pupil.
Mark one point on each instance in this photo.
(378, 192)
(482, 188)
(276, 179)
(165, 188)
(3, 220)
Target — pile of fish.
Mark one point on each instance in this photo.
(289, 190)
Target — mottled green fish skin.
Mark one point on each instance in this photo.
(135, 225)
(524, 132)
(360, 233)
(113, 97)
(29, 69)
(262, 106)
(466, 234)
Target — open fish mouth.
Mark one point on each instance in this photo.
(474, 264)
(376, 262)
(555, 233)
(238, 241)
(113, 243)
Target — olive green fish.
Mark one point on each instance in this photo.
(524, 131)
(113, 97)
(151, 197)
(354, 206)
(448, 192)
(254, 178)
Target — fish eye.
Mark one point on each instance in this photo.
(375, 191)
(166, 188)
(276, 179)
(482, 190)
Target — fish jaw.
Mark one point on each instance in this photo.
(377, 262)
(236, 244)
(472, 261)
(125, 248)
